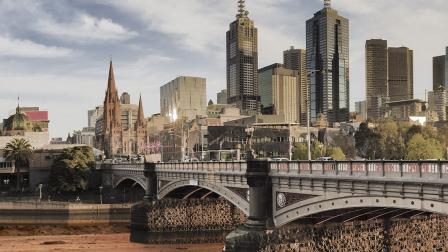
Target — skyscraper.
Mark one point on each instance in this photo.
(438, 102)
(439, 72)
(280, 89)
(221, 97)
(376, 77)
(295, 59)
(327, 53)
(183, 97)
(401, 74)
(242, 63)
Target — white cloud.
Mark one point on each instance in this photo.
(28, 49)
(194, 24)
(83, 28)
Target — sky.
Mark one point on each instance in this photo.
(55, 54)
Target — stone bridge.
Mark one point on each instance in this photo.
(273, 194)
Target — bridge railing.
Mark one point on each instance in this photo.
(421, 169)
(120, 166)
(204, 166)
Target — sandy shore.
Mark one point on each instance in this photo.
(97, 243)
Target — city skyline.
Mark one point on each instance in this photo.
(56, 61)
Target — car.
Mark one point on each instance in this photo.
(278, 159)
(325, 159)
(189, 160)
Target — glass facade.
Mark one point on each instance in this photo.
(327, 48)
(242, 65)
(376, 77)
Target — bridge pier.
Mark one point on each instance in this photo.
(139, 211)
(248, 237)
(151, 182)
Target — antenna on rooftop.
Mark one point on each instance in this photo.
(242, 9)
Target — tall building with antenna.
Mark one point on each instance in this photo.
(242, 63)
(327, 50)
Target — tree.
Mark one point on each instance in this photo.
(71, 170)
(19, 151)
(300, 152)
(412, 131)
(367, 142)
(347, 144)
(335, 152)
(391, 142)
(316, 150)
(421, 148)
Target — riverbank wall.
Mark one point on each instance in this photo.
(60, 213)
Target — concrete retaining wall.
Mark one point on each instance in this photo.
(18, 213)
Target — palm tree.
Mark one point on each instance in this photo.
(19, 151)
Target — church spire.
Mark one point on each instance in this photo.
(327, 3)
(140, 114)
(242, 9)
(111, 89)
(112, 112)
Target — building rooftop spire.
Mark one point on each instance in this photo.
(242, 9)
(140, 114)
(111, 88)
(327, 3)
(111, 80)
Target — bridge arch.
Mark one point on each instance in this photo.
(321, 204)
(136, 180)
(222, 191)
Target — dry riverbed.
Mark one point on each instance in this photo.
(92, 243)
(113, 238)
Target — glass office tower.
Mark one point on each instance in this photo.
(327, 49)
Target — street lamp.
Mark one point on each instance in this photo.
(101, 195)
(40, 192)
(308, 112)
